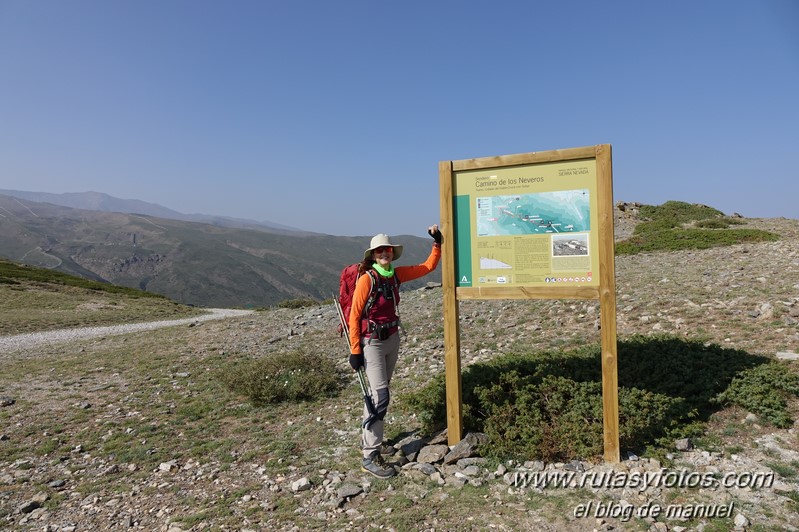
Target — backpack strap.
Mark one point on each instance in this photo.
(372, 293)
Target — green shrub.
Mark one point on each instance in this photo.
(548, 405)
(679, 212)
(764, 390)
(718, 223)
(298, 303)
(664, 229)
(294, 376)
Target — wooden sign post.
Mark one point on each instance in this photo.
(530, 226)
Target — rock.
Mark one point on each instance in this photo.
(302, 484)
(455, 481)
(574, 465)
(471, 471)
(110, 470)
(438, 438)
(168, 467)
(7, 401)
(29, 506)
(684, 444)
(347, 491)
(466, 462)
(465, 448)
(787, 355)
(411, 446)
(432, 453)
(741, 521)
(437, 478)
(425, 468)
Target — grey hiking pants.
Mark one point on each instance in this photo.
(380, 358)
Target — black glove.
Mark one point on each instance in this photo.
(356, 361)
(436, 235)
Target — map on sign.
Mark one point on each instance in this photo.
(564, 211)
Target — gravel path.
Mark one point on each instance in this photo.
(24, 341)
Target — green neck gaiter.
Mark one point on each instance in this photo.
(383, 271)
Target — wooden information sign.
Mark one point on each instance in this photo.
(530, 226)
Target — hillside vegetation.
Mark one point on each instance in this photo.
(254, 422)
(36, 299)
(677, 225)
(192, 263)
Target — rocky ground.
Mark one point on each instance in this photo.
(297, 467)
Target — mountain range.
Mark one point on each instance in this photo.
(212, 264)
(99, 201)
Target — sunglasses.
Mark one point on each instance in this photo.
(382, 249)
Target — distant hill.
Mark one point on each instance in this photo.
(194, 263)
(98, 201)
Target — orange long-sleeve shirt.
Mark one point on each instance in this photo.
(363, 287)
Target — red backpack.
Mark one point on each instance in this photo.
(346, 287)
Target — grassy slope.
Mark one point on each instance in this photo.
(35, 299)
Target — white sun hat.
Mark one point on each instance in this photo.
(380, 241)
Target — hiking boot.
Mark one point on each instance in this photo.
(377, 466)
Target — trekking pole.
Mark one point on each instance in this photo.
(367, 395)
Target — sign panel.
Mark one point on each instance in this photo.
(527, 225)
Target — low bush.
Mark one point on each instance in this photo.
(665, 228)
(764, 390)
(718, 223)
(298, 303)
(548, 405)
(287, 377)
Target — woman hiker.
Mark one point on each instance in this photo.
(374, 338)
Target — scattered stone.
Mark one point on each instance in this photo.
(110, 470)
(347, 491)
(29, 506)
(269, 506)
(474, 460)
(471, 471)
(455, 481)
(438, 438)
(741, 521)
(437, 478)
(411, 446)
(425, 468)
(302, 484)
(465, 448)
(168, 467)
(574, 465)
(432, 453)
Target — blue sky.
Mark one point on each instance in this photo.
(333, 116)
